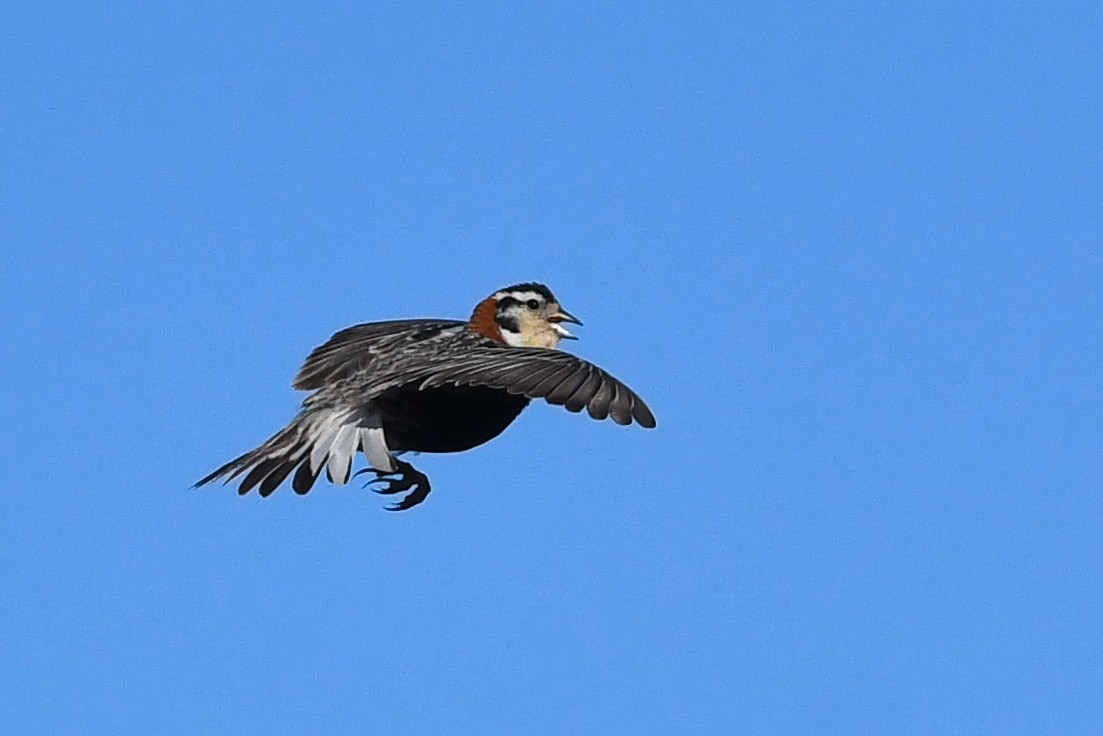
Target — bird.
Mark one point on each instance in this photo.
(429, 385)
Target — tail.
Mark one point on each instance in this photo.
(328, 437)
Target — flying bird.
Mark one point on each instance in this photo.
(429, 385)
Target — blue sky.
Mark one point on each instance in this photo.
(848, 252)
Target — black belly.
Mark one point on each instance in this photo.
(446, 419)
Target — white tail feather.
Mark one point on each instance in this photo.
(336, 438)
(374, 442)
(322, 444)
(341, 453)
(320, 435)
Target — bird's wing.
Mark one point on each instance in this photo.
(351, 350)
(558, 378)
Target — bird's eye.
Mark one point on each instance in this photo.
(532, 304)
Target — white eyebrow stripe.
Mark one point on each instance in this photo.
(522, 296)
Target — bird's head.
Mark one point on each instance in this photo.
(525, 315)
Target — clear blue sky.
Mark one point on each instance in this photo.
(849, 253)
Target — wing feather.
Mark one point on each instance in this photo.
(557, 377)
(270, 483)
(620, 408)
(530, 383)
(598, 406)
(585, 391)
(354, 347)
(570, 383)
(259, 473)
(552, 382)
(321, 438)
(304, 478)
(640, 412)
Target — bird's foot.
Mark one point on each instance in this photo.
(405, 478)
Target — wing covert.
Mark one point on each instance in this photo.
(354, 347)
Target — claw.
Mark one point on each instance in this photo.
(387, 485)
(405, 478)
(391, 486)
(378, 473)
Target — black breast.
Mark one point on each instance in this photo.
(446, 419)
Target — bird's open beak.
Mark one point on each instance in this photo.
(558, 318)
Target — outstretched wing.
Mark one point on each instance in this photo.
(558, 378)
(353, 348)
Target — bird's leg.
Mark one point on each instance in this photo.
(408, 478)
